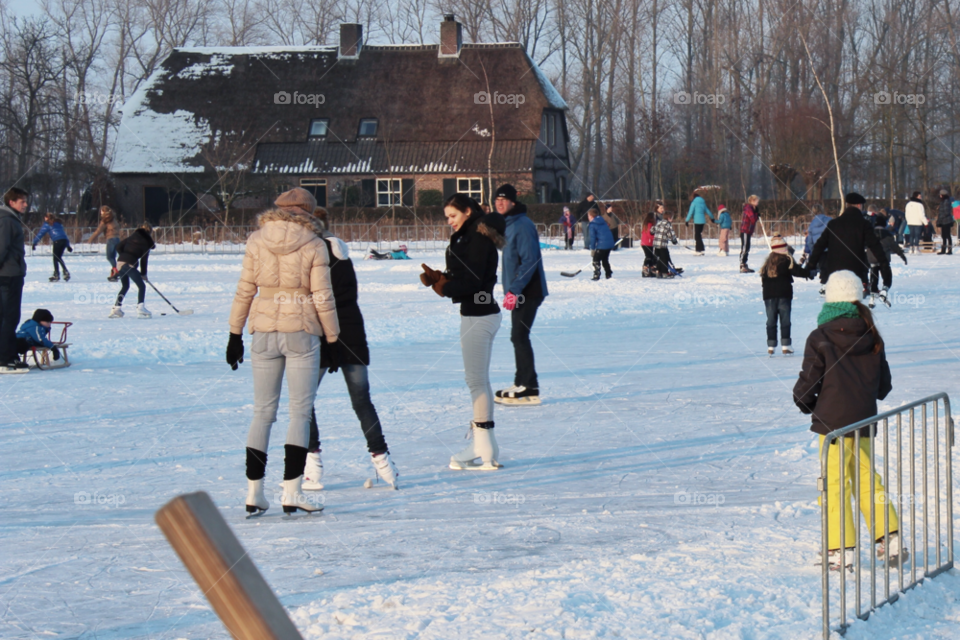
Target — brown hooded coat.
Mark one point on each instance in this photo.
(286, 253)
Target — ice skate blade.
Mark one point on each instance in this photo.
(254, 511)
(311, 486)
(289, 510)
(529, 400)
(472, 466)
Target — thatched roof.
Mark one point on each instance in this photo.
(217, 106)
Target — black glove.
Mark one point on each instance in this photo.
(34, 247)
(70, 249)
(235, 350)
(904, 259)
(686, 224)
(674, 241)
(335, 356)
(56, 353)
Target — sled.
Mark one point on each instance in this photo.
(43, 357)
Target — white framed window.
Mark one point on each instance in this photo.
(389, 192)
(472, 187)
(318, 127)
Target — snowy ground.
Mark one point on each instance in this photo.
(657, 395)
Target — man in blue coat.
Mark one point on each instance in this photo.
(525, 287)
(600, 244)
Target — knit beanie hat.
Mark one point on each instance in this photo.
(721, 208)
(507, 191)
(42, 315)
(844, 286)
(778, 244)
(298, 199)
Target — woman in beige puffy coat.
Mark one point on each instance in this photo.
(285, 295)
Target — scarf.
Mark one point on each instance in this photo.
(834, 310)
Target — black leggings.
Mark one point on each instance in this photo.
(127, 273)
(59, 246)
(744, 248)
(944, 235)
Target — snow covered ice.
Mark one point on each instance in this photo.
(666, 488)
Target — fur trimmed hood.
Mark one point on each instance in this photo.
(493, 227)
(284, 231)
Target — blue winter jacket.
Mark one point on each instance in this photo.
(521, 256)
(55, 230)
(726, 222)
(35, 334)
(699, 211)
(600, 235)
(817, 225)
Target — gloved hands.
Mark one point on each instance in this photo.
(686, 224)
(56, 353)
(674, 241)
(438, 285)
(70, 249)
(334, 356)
(234, 350)
(510, 301)
(33, 247)
(429, 276)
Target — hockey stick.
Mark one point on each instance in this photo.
(185, 312)
(765, 237)
(574, 274)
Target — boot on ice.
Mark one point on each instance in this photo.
(293, 500)
(483, 446)
(386, 470)
(142, 312)
(313, 472)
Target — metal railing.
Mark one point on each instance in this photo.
(893, 458)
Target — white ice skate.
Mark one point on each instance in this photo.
(890, 553)
(312, 472)
(116, 312)
(386, 470)
(787, 351)
(770, 351)
(142, 312)
(838, 559)
(483, 445)
(293, 499)
(256, 500)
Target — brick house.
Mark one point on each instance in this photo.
(355, 124)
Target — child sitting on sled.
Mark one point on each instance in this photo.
(35, 332)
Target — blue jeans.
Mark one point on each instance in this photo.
(778, 307)
(916, 231)
(112, 251)
(358, 386)
(273, 354)
(127, 273)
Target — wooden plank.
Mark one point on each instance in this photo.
(222, 569)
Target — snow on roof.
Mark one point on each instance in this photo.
(247, 51)
(218, 63)
(553, 96)
(151, 142)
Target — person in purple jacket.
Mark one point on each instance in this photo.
(53, 227)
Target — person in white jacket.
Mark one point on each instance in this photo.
(916, 220)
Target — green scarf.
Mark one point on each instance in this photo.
(834, 310)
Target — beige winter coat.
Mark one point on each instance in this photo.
(288, 260)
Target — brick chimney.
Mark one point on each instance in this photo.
(451, 37)
(351, 39)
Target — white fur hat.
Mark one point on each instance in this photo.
(844, 286)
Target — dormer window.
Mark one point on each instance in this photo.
(318, 127)
(368, 128)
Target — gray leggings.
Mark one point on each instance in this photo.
(476, 341)
(271, 353)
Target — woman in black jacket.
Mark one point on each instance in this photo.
(469, 279)
(133, 249)
(945, 222)
(353, 358)
(844, 373)
(776, 276)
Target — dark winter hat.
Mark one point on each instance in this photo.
(855, 198)
(507, 191)
(297, 198)
(42, 315)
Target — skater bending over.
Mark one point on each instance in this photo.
(662, 234)
(354, 359)
(776, 276)
(844, 373)
(600, 244)
(133, 250)
(287, 267)
(469, 279)
(35, 332)
(54, 227)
